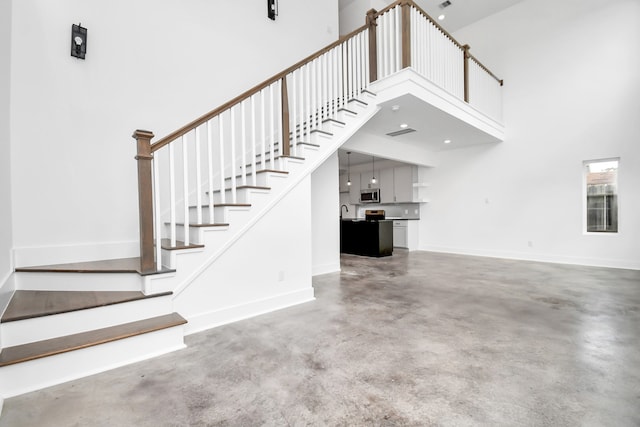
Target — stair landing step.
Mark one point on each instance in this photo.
(32, 304)
(39, 349)
(121, 265)
(166, 244)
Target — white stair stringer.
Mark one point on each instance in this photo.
(47, 371)
(189, 266)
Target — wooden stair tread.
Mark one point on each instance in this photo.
(121, 265)
(166, 244)
(243, 187)
(39, 349)
(261, 171)
(202, 225)
(33, 304)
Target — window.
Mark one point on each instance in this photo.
(601, 178)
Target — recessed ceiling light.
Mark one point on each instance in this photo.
(395, 107)
(447, 141)
(404, 126)
(441, 17)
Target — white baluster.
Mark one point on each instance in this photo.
(253, 140)
(210, 168)
(243, 144)
(232, 124)
(272, 109)
(157, 219)
(185, 188)
(367, 68)
(294, 113)
(263, 132)
(172, 195)
(198, 179)
(279, 114)
(223, 186)
(345, 74)
(309, 113)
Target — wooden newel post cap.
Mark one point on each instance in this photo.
(143, 139)
(143, 134)
(371, 17)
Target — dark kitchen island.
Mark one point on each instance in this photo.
(368, 238)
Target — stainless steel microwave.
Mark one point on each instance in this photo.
(371, 195)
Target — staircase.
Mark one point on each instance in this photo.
(210, 194)
(68, 321)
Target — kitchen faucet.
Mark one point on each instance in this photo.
(343, 206)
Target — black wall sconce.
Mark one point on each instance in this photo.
(272, 9)
(78, 41)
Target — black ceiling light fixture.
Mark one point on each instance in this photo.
(78, 41)
(272, 9)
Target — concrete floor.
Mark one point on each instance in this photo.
(414, 339)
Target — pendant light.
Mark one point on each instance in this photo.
(373, 170)
(349, 168)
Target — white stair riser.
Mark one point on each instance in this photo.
(78, 281)
(244, 195)
(58, 325)
(48, 371)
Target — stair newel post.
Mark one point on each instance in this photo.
(285, 117)
(406, 33)
(467, 55)
(145, 199)
(372, 23)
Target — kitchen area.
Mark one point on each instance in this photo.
(380, 204)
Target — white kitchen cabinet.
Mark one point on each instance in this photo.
(405, 234)
(354, 189)
(403, 184)
(400, 237)
(387, 192)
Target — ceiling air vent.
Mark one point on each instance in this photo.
(445, 4)
(401, 132)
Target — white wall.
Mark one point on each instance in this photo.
(6, 235)
(571, 94)
(265, 269)
(150, 65)
(353, 13)
(325, 217)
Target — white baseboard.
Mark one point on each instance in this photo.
(1, 404)
(45, 255)
(537, 257)
(223, 316)
(325, 268)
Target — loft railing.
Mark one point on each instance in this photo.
(185, 175)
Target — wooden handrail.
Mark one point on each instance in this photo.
(211, 114)
(486, 69)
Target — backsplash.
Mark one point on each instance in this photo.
(394, 211)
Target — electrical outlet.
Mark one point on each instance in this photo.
(530, 243)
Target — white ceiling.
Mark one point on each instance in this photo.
(463, 12)
(432, 127)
